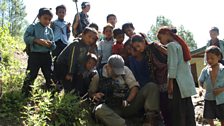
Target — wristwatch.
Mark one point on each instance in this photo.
(126, 103)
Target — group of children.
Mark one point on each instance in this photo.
(165, 63)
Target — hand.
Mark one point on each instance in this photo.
(98, 96)
(49, 43)
(43, 42)
(68, 77)
(217, 91)
(69, 24)
(170, 87)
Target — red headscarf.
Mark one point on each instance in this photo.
(185, 48)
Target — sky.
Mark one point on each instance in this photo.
(197, 16)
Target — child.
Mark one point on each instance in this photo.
(112, 19)
(212, 79)
(61, 30)
(181, 85)
(118, 46)
(105, 46)
(128, 29)
(89, 76)
(214, 33)
(40, 38)
(71, 59)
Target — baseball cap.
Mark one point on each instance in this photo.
(117, 64)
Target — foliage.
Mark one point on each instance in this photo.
(185, 34)
(13, 13)
(12, 78)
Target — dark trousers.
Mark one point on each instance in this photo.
(182, 109)
(59, 47)
(36, 61)
(164, 107)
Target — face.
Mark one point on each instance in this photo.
(112, 20)
(45, 19)
(89, 38)
(61, 13)
(213, 34)
(129, 32)
(120, 38)
(212, 59)
(108, 32)
(87, 8)
(139, 46)
(163, 38)
(110, 72)
(91, 63)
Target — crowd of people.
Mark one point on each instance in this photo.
(132, 78)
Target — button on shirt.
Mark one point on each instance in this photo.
(60, 31)
(205, 79)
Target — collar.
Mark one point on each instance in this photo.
(61, 20)
(221, 68)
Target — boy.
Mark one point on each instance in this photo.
(118, 46)
(70, 62)
(40, 38)
(61, 30)
(112, 19)
(214, 33)
(105, 46)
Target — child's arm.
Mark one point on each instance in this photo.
(29, 35)
(217, 91)
(201, 90)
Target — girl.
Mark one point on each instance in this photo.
(212, 79)
(149, 64)
(181, 85)
(39, 38)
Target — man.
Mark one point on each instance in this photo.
(113, 106)
(81, 20)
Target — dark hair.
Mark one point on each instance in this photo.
(185, 48)
(215, 29)
(214, 50)
(94, 25)
(117, 32)
(137, 38)
(84, 4)
(127, 25)
(110, 15)
(60, 7)
(43, 11)
(108, 25)
(89, 29)
(92, 56)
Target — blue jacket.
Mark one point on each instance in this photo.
(180, 70)
(38, 31)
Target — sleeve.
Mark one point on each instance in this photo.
(172, 60)
(29, 34)
(99, 48)
(202, 77)
(72, 57)
(130, 79)
(93, 86)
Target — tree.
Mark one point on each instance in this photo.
(13, 15)
(185, 34)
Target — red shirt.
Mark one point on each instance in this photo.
(117, 48)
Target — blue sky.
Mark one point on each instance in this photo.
(197, 16)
